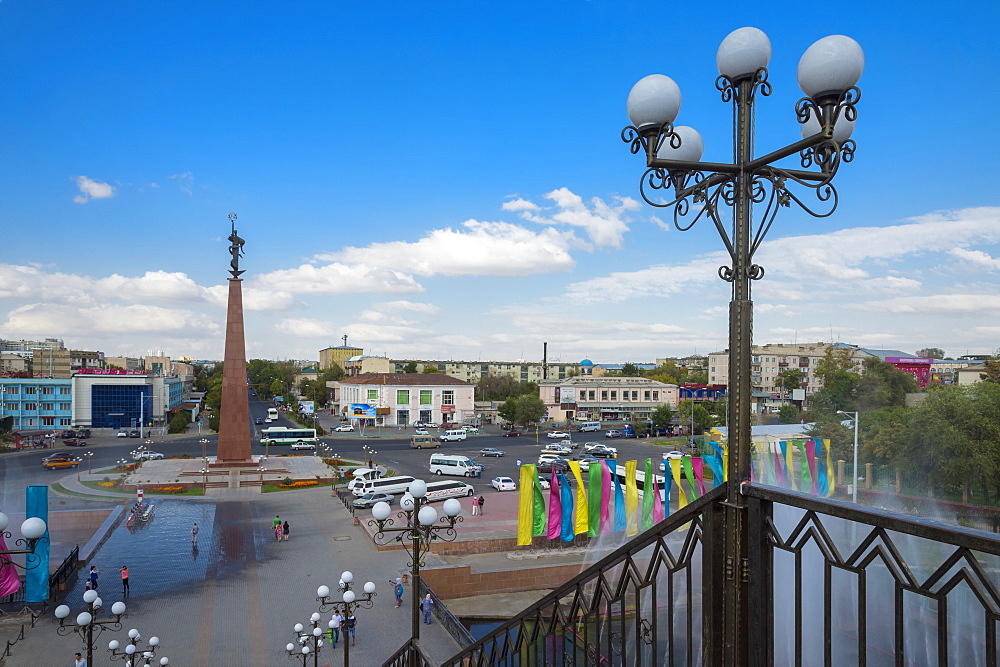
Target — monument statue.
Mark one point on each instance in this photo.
(235, 248)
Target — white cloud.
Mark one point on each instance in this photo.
(604, 223)
(40, 319)
(303, 327)
(91, 189)
(337, 278)
(983, 305)
(975, 259)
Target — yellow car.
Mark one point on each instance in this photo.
(60, 460)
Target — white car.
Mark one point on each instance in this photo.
(471, 430)
(431, 425)
(591, 446)
(547, 458)
(562, 450)
(420, 431)
(558, 435)
(670, 455)
(544, 483)
(303, 445)
(503, 484)
(344, 427)
(146, 455)
(268, 420)
(122, 434)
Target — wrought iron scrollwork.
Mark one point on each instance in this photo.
(730, 90)
(650, 142)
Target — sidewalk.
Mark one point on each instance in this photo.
(234, 599)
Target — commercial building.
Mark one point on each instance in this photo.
(37, 403)
(393, 399)
(337, 355)
(472, 371)
(591, 398)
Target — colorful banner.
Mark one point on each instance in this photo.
(606, 485)
(715, 463)
(10, 580)
(805, 476)
(631, 499)
(811, 458)
(830, 476)
(661, 505)
(555, 507)
(689, 475)
(525, 505)
(675, 471)
(538, 506)
(649, 493)
(786, 452)
(36, 578)
(596, 493)
(619, 497)
(582, 511)
(698, 464)
(566, 498)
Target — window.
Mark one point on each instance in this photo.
(426, 397)
(10, 407)
(604, 394)
(590, 394)
(31, 406)
(645, 395)
(48, 391)
(448, 397)
(30, 390)
(624, 395)
(635, 395)
(402, 417)
(484, 369)
(64, 421)
(65, 406)
(441, 367)
(614, 395)
(402, 397)
(47, 406)
(65, 391)
(12, 390)
(656, 395)
(48, 421)
(373, 395)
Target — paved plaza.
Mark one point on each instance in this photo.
(234, 598)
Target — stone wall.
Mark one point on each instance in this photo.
(459, 581)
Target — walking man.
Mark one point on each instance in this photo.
(398, 590)
(79, 660)
(475, 505)
(94, 574)
(276, 522)
(481, 500)
(519, 464)
(336, 621)
(425, 606)
(351, 623)
(194, 534)
(124, 571)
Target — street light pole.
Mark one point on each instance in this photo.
(854, 486)
(86, 621)
(827, 74)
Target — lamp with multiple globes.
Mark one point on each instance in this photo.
(32, 533)
(310, 640)
(754, 189)
(419, 528)
(87, 625)
(133, 653)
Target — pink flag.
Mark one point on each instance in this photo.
(779, 471)
(555, 508)
(698, 464)
(605, 499)
(811, 457)
(657, 501)
(10, 581)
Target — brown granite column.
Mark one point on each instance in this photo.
(234, 420)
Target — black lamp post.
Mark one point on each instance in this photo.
(827, 74)
(419, 528)
(132, 652)
(87, 624)
(349, 602)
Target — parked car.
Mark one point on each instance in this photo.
(431, 425)
(369, 500)
(134, 434)
(67, 434)
(503, 484)
(490, 451)
(83, 433)
(421, 431)
(544, 483)
(547, 466)
(121, 434)
(568, 443)
(586, 461)
(471, 430)
(60, 460)
(629, 434)
(513, 433)
(259, 420)
(303, 445)
(74, 442)
(670, 455)
(546, 457)
(612, 434)
(591, 446)
(603, 453)
(344, 427)
(562, 450)
(147, 455)
(558, 435)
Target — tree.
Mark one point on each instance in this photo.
(992, 373)
(179, 422)
(630, 370)
(410, 367)
(497, 388)
(523, 410)
(703, 419)
(332, 373)
(836, 371)
(789, 379)
(661, 416)
(881, 386)
(931, 353)
(432, 369)
(788, 413)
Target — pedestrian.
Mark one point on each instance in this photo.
(481, 501)
(425, 606)
(285, 531)
(398, 590)
(278, 532)
(351, 623)
(79, 660)
(277, 522)
(475, 505)
(124, 571)
(94, 574)
(519, 464)
(194, 534)
(335, 622)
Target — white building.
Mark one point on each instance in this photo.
(605, 398)
(402, 398)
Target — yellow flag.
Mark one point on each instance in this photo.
(675, 472)
(525, 505)
(582, 514)
(631, 499)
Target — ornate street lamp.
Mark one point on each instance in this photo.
(676, 178)
(309, 642)
(204, 445)
(419, 528)
(32, 531)
(350, 602)
(87, 623)
(132, 652)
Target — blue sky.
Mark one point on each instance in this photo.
(446, 180)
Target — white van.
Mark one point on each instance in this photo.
(445, 490)
(393, 485)
(453, 434)
(363, 475)
(442, 464)
(587, 427)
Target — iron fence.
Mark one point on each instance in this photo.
(444, 616)
(828, 582)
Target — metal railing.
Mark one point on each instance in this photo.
(828, 582)
(410, 654)
(444, 616)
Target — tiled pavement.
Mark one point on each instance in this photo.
(234, 599)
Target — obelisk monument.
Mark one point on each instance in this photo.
(234, 420)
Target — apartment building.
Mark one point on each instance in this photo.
(472, 371)
(767, 362)
(605, 398)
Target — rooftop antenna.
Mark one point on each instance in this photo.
(345, 340)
